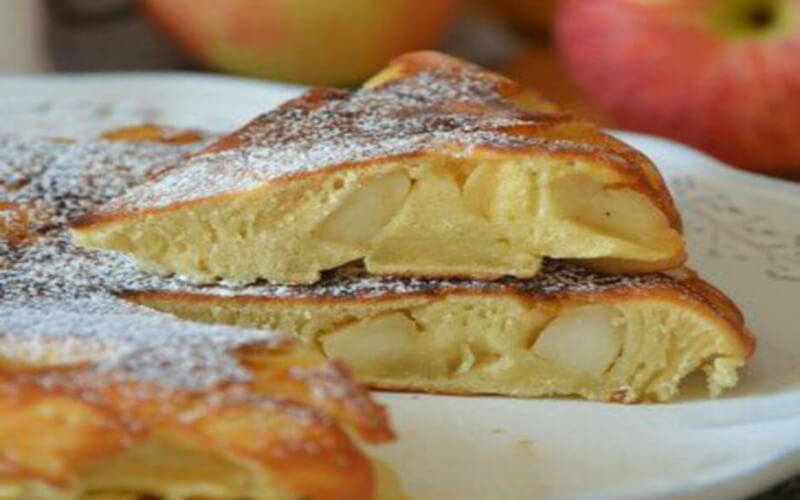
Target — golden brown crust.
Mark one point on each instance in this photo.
(726, 308)
(427, 61)
(277, 434)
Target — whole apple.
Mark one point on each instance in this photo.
(331, 42)
(722, 75)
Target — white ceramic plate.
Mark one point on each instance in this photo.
(744, 235)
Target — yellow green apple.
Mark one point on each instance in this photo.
(331, 42)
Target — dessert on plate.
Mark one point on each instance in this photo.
(104, 399)
(439, 230)
(434, 168)
(568, 330)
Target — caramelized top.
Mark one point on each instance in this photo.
(425, 102)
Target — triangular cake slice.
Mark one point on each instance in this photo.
(567, 331)
(434, 168)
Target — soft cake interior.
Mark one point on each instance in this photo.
(492, 215)
(626, 350)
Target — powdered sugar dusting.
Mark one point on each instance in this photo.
(62, 180)
(56, 300)
(439, 108)
(124, 342)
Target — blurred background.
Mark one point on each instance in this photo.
(721, 75)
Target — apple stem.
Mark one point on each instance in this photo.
(749, 18)
(761, 16)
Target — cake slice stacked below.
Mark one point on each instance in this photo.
(434, 168)
(103, 399)
(567, 331)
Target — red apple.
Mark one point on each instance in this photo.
(722, 75)
(308, 41)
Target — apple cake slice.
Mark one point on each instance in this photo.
(566, 331)
(434, 168)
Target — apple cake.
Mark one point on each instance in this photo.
(103, 399)
(569, 330)
(434, 168)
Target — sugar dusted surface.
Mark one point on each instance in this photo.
(432, 110)
(124, 342)
(59, 302)
(62, 180)
(56, 302)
